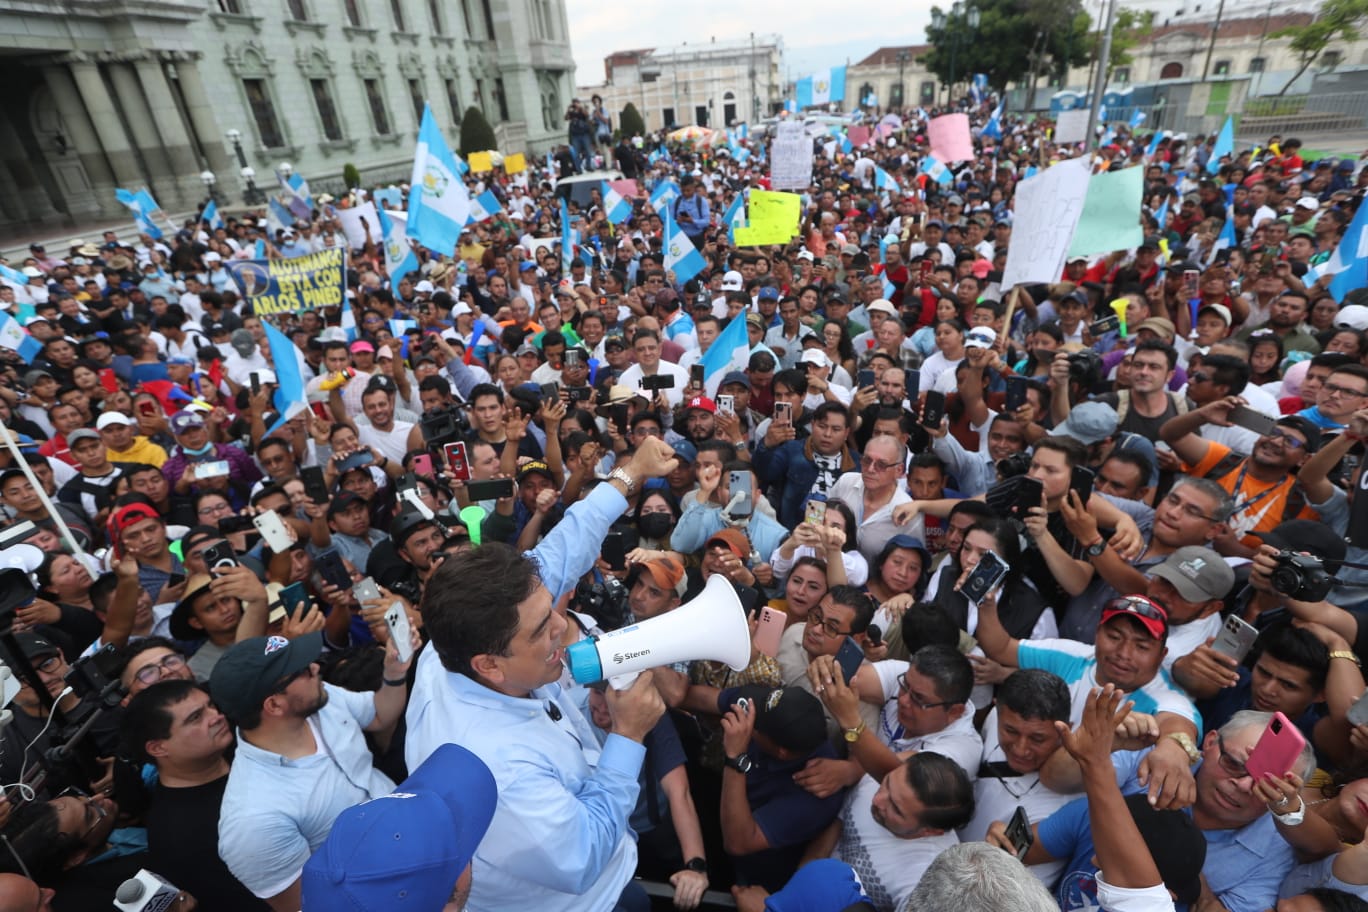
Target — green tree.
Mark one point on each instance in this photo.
(630, 123)
(350, 176)
(1131, 28)
(1011, 35)
(476, 133)
(1336, 20)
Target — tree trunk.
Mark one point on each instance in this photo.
(1297, 75)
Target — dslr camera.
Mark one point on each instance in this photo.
(1301, 577)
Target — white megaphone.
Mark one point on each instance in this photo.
(712, 626)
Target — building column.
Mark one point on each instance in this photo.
(202, 119)
(142, 129)
(175, 139)
(28, 188)
(84, 140)
(113, 140)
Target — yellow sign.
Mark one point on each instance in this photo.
(515, 163)
(774, 218)
(289, 286)
(480, 162)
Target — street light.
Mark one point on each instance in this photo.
(285, 169)
(903, 57)
(251, 196)
(942, 23)
(209, 180)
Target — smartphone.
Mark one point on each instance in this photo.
(658, 382)
(214, 469)
(147, 408)
(1028, 494)
(292, 597)
(1082, 482)
(255, 381)
(365, 591)
(315, 487)
(912, 385)
(865, 379)
(816, 510)
(108, 380)
(397, 620)
(321, 410)
(783, 413)
(272, 529)
(740, 482)
(619, 412)
(875, 635)
(1192, 287)
(726, 405)
(230, 525)
(696, 375)
(1278, 749)
(1105, 325)
(218, 557)
(456, 458)
(1246, 417)
(1019, 832)
(1358, 712)
(422, 464)
(1266, 261)
(175, 579)
(1016, 393)
(985, 577)
(358, 460)
(614, 551)
(332, 569)
(849, 657)
(933, 409)
(769, 630)
(550, 392)
(1235, 639)
(490, 490)
(926, 269)
(572, 356)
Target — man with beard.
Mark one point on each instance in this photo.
(1286, 316)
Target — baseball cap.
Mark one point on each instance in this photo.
(789, 716)
(980, 337)
(525, 265)
(1219, 310)
(1197, 572)
(1354, 316)
(535, 467)
(80, 434)
(882, 306)
(183, 360)
(361, 346)
(1308, 202)
(1160, 326)
(805, 255)
(814, 356)
(186, 421)
(1150, 614)
(767, 293)
(35, 375)
(108, 419)
(251, 669)
(666, 572)
(686, 451)
(406, 849)
(1088, 423)
(343, 500)
(1305, 428)
(405, 525)
(850, 250)
(818, 886)
(34, 646)
(733, 539)
(179, 621)
(739, 377)
(756, 320)
(1076, 259)
(424, 287)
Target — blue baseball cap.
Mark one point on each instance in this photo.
(686, 451)
(767, 293)
(407, 849)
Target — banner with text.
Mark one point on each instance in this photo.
(290, 286)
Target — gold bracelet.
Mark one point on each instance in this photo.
(1346, 654)
(1184, 740)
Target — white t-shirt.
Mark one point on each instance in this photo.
(1133, 899)
(958, 740)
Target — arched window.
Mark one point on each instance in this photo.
(1171, 71)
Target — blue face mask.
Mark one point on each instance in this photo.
(202, 451)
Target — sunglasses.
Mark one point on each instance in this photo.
(1135, 604)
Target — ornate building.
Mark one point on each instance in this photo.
(183, 95)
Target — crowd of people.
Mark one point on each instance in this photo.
(1054, 593)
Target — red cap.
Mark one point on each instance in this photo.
(701, 402)
(1151, 614)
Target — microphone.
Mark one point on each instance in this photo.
(553, 711)
(146, 892)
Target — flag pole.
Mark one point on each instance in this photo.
(13, 446)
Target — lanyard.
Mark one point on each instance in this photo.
(1239, 483)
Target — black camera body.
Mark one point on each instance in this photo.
(443, 425)
(1301, 577)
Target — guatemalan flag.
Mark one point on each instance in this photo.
(664, 195)
(399, 256)
(615, 206)
(730, 351)
(439, 203)
(144, 209)
(1225, 145)
(735, 216)
(297, 197)
(484, 206)
(821, 88)
(885, 181)
(567, 243)
(935, 170)
(993, 128)
(978, 89)
(681, 255)
(211, 215)
(1349, 263)
(16, 338)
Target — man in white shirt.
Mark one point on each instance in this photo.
(646, 345)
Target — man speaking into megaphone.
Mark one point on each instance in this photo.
(559, 839)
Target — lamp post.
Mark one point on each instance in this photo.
(971, 17)
(251, 196)
(903, 57)
(209, 181)
(285, 169)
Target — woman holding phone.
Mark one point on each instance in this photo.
(1020, 608)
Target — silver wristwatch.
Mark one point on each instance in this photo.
(621, 475)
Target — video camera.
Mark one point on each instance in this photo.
(444, 424)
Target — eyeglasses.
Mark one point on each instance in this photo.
(48, 665)
(1334, 389)
(815, 616)
(1198, 377)
(877, 465)
(285, 682)
(151, 674)
(914, 698)
(1287, 439)
(1229, 763)
(215, 508)
(1173, 500)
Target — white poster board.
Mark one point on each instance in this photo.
(1046, 212)
(1071, 126)
(351, 224)
(790, 158)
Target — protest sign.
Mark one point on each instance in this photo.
(773, 218)
(790, 158)
(351, 219)
(1047, 208)
(858, 135)
(950, 139)
(289, 286)
(480, 162)
(1071, 127)
(515, 163)
(1111, 213)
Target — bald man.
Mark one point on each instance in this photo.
(19, 894)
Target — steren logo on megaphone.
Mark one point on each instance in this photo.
(620, 657)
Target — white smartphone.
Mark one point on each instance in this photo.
(396, 619)
(272, 529)
(366, 590)
(726, 404)
(1235, 639)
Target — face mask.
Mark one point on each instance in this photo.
(202, 451)
(655, 525)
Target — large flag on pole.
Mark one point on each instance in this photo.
(616, 208)
(1225, 145)
(821, 87)
(681, 255)
(211, 215)
(144, 209)
(439, 204)
(567, 237)
(399, 256)
(298, 199)
(730, 351)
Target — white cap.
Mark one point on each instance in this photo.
(815, 356)
(806, 254)
(213, 257)
(264, 375)
(461, 309)
(1308, 202)
(882, 306)
(1355, 316)
(424, 287)
(110, 418)
(732, 281)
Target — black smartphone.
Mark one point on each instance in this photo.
(912, 386)
(865, 379)
(658, 382)
(490, 490)
(1104, 325)
(1082, 482)
(849, 657)
(315, 487)
(1029, 493)
(175, 579)
(219, 556)
(620, 418)
(933, 409)
(1019, 833)
(696, 375)
(255, 381)
(332, 569)
(294, 598)
(1016, 393)
(614, 551)
(232, 524)
(984, 577)
(550, 392)
(1250, 419)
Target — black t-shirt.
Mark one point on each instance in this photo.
(1136, 423)
(182, 845)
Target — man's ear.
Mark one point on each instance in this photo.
(487, 666)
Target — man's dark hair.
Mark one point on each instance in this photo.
(827, 409)
(1230, 372)
(942, 787)
(267, 490)
(1034, 693)
(553, 337)
(852, 597)
(1159, 345)
(1075, 453)
(645, 334)
(794, 379)
(334, 346)
(134, 648)
(926, 624)
(1332, 360)
(272, 442)
(148, 718)
(926, 461)
(975, 508)
(1295, 646)
(948, 667)
(725, 451)
(485, 389)
(1133, 458)
(470, 606)
(761, 362)
(435, 382)
(1353, 370)
(37, 846)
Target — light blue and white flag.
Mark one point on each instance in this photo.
(735, 216)
(730, 351)
(17, 339)
(484, 206)
(664, 195)
(616, 208)
(935, 170)
(297, 197)
(1349, 262)
(567, 237)
(1154, 143)
(1161, 214)
(993, 128)
(885, 181)
(211, 215)
(400, 259)
(289, 394)
(681, 255)
(1224, 240)
(13, 277)
(1225, 145)
(978, 88)
(821, 88)
(278, 218)
(1137, 118)
(144, 209)
(439, 203)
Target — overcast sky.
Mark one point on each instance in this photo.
(598, 29)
